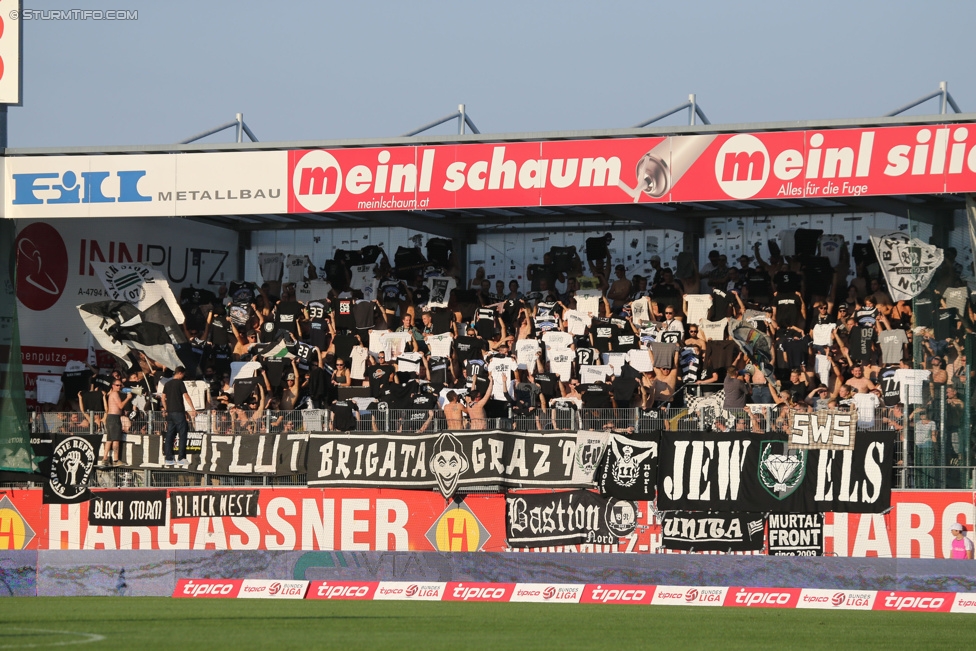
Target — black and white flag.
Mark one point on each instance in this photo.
(628, 469)
(908, 263)
(120, 327)
(795, 534)
(721, 532)
(567, 518)
(69, 468)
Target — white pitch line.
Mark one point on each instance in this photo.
(86, 638)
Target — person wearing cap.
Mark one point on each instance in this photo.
(962, 547)
(289, 393)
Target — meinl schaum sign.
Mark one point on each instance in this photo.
(449, 461)
(743, 472)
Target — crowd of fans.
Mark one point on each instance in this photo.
(401, 345)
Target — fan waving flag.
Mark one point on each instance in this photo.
(120, 327)
(138, 284)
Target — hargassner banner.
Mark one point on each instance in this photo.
(822, 163)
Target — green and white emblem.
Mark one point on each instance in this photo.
(781, 471)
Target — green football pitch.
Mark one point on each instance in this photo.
(162, 623)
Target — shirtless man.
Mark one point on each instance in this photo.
(453, 412)
(859, 382)
(113, 424)
(476, 408)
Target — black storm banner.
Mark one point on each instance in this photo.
(245, 454)
(713, 532)
(213, 504)
(450, 461)
(739, 472)
(70, 467)
(128, 508)
(567, 518)
(795, 534)
(628, 470)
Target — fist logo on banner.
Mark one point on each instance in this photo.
(72, 464)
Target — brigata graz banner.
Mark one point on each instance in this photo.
(250, 454)
(742, 472)
(567, 518)
(721, 532)
(448, 461)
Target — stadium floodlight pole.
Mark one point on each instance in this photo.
(945, 102)
(237, 123)
(693, 110)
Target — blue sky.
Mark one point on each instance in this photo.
(327, 70)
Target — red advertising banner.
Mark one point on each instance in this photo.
(617, 594)
(916, 527)
(402, 520)
(821, 163)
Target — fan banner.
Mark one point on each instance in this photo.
(738, 472)
(829, 429)
(225, 454)
(628, 469)
(128, 508)
(447, 461)
(713, 532)
(567, 518)
(795, 534)
(907, 263)
(70, 467)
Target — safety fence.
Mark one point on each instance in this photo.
(936, 459)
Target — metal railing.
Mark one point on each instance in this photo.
(929, 464)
